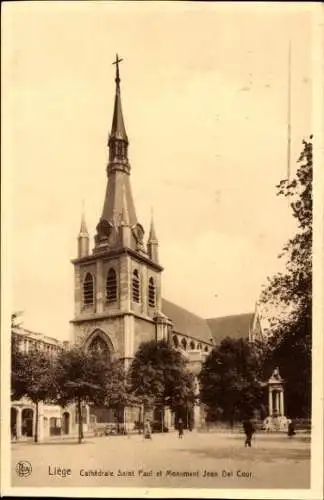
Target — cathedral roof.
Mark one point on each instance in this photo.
(186, 322)
(207, 330)
(235, 326)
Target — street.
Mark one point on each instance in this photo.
(199, 460)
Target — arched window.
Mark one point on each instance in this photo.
(206, 349)
(99, 346)
(111, 286)
(192, 345)
(151, 293)
(88, 289)
(199, 346)
(184, 344)
(136, 286)
(175, 341)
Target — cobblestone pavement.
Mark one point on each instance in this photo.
(199, 460)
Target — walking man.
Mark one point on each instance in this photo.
(180, 428)
(291, 428)
(249, 431)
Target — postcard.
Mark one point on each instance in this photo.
(162, 249)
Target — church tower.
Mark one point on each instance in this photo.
(118, 285)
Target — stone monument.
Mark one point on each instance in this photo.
(276, 421)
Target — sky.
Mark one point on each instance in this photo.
(204, 94)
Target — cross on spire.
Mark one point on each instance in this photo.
(117, 61)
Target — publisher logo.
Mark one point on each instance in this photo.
(23, 468)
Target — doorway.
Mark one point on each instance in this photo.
(66, 423)
(27, 418)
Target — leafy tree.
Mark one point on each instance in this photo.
(17, 359)
(117, 391)
(159, 376)
(289, 294)
(81, 377)
(33, 376)
(230, 380)
(17, 370)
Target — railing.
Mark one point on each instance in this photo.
(108, 429)
(301, 425)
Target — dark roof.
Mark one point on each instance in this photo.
(186, 323)
(236, 326)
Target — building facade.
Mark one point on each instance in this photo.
(53, 420)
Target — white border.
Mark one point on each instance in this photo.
(316, 490)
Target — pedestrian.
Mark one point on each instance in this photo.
(249, 431)
(291, 428)
(147, 430)
(180, 428)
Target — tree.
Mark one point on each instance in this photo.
(81, 377)
(289, 294)
(231, 380)
(17, 370)
(159, 376)
(17, 359)
(33, 376)
(117, 391)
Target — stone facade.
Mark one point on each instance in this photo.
(118, 286)
(53, 420)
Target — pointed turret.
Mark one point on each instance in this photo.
(152, 243)
(83, 238)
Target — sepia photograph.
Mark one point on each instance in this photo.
(158, 243)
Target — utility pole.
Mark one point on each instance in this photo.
(289, 114)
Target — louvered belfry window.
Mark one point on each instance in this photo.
(151, 293)
(88, 290)
(136, 286)
(111, 286)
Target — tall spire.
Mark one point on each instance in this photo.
(118, 209)
(118, 130)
